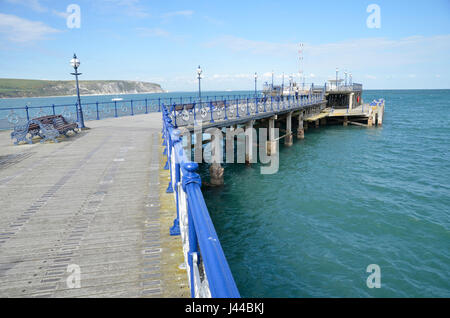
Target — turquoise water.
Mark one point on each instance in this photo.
(344, 198)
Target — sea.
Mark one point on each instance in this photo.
(351, 212)
(350, 207)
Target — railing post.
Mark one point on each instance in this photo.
(248, 108)
(256, 105)
(225, 110)
(53, 109)
(96, 106)
(132, 112)
(159, 104)
(28, 115)
(191, 177)
(115, 109)
(175, 229)
(169, 160)
(195, 118)
(211, 111)
(174, 115)
(237, 108)
(146, 106)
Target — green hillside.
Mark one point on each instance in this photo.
(40, 88)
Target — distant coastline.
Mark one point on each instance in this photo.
(109, 94)
(19, 88)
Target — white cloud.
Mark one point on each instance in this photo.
(130, 7)
(152, 32)
(60, 14)
(34, 5)
(356, 53)
(183, 13)
(16, 29)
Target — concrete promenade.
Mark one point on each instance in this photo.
(95, 200)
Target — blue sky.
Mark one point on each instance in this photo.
(165, 41)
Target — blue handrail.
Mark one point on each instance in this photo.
(199, 235)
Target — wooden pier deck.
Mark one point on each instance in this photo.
(97, 201)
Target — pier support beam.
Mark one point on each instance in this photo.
(272, 143)
(300, 130)
(216, 174)
(317, 123)
(323, 122)
(288, 140)
(380, 116)
(305, 125)
(345, 121)
(371, 119)
(250, 151)
(216, 170)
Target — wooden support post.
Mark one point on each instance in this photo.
(380, 115)
(323, 122)
(345, 121)
(300, 130)
(250, 151)
(216, 174)
(271, 148)
(317, 123)
(288, 140)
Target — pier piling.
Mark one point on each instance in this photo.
(288, 140)
(272, 143)
(300, 130)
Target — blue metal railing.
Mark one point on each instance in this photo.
(11, 116)
(208, 271)
(227, 110)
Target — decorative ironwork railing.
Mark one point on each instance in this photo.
(208, 271)
(12, 116)
(232, 110)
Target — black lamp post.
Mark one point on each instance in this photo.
(199, 73)
(75, 62)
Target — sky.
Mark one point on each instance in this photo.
(398, 45)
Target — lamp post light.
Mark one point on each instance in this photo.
(199, 77)
(345, 73)
(256, 79)
(75, 62)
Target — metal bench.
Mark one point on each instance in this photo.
(62, 125)
(47, 127)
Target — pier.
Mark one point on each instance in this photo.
(292, 114)
(120, 204)
(95, 201)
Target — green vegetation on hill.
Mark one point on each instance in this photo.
(41, 88)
